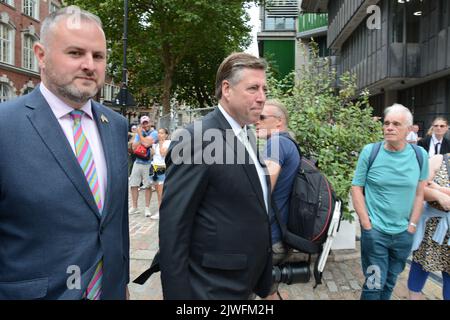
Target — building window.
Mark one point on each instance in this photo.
(397, 22)
(29, 59)
(414, 11)
(6, 43)
(110, 92)
(279, 23)
(9, 2)
(5, 92)
(53, 7)
(31, 8)
(28, 90)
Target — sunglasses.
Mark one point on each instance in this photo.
(263, 117)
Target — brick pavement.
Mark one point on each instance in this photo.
(342, 277)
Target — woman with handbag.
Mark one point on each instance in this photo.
(432, 239)
(159, 152)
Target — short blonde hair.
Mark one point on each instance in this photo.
(283, 112)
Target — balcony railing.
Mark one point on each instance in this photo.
(311, 21)
(279, 24)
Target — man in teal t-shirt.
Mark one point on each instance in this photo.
(388, 200)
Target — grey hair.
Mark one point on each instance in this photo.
(282, 111)
(396, 107)
(76, 14)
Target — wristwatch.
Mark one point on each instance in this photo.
(413, 224)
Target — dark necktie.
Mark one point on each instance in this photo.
(436, 148)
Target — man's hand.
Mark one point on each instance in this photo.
(411, 229)
(367, 226)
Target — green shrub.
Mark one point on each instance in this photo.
(331, 123)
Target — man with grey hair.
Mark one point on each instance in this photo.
(387, 194)
(214, 230)
(64, 196)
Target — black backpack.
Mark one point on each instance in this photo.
(311, 208)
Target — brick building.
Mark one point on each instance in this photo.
(20, 24)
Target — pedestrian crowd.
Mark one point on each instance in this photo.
(64, 215)
(147, 169)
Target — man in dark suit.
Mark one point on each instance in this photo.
(63, 174)
(436, 143)
(214, 228)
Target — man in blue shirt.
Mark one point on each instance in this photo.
(388, 199)
(282, 160)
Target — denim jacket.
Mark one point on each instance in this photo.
(441, 230)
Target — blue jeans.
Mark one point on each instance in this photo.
(383, 258)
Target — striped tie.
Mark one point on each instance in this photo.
(86, 160)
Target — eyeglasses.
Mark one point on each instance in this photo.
(263, 117)
(439, 125)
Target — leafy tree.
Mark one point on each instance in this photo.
(173, 44)
(331, 124)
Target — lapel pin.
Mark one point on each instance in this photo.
(104, 119)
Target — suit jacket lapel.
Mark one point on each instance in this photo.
(254, 144)
(47, 127)
(250, 170)
(104, 129)
(444, 147)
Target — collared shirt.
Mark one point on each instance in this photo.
(261, 173)
(433, 142)
(62, 113)
(412, 137)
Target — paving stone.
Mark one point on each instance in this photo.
(327, 275)
(342, 276)
(332, 286)
(142, 255)
(354, 285)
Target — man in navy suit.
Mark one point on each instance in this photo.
(63, 174)
(214, 230)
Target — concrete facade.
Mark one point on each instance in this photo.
(400, 51)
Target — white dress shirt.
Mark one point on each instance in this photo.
(261, 174)
(62, 113)
(433, 142)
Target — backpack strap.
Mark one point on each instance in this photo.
(154, 267)
(373, 154)
(297, 146)
(376, 149)
(419, 155)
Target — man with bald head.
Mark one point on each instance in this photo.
(63, 175)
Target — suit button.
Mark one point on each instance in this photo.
(269, 250)
(101, 229)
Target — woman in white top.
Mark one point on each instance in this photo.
(159, 151)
